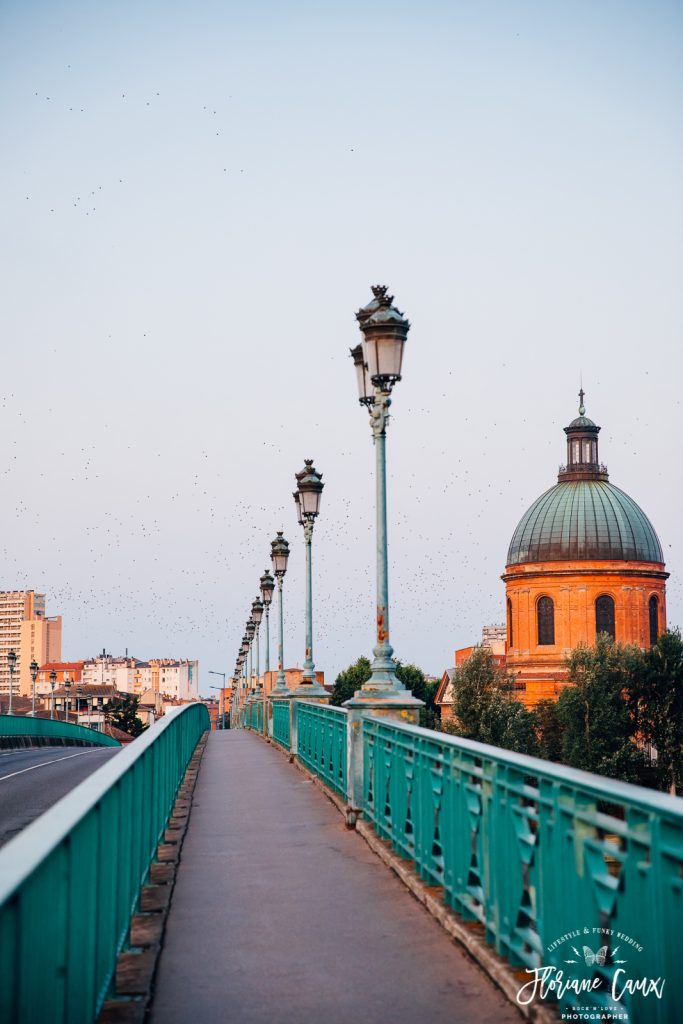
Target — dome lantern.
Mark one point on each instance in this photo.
(582, 448)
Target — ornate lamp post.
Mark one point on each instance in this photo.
(53, 680)
(279, 555)
(378, 368)
(79, 691)
(267, 588)
(34, 675)
(307, 498)
(67, 687)
(251, 630)
(256, 616)
(11, 664)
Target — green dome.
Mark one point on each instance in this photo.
(584, 519)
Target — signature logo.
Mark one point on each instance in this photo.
(597, 980)
(599, 957)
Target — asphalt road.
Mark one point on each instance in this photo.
(32, 780)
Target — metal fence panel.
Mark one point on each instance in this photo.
(71, 880)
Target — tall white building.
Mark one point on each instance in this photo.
(26, 630)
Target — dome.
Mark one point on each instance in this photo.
(584, 519)
(582, 423)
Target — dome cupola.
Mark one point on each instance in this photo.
(584, 516)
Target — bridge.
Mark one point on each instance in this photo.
(268, 873)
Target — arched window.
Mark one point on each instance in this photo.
(509, 622)
(653, 609)
(604, 615)
(545, 611)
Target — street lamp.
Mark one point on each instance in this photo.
(279, 556)
(11, 663)
(53, 680)
(220, 699)
(78, 701)
(251, 630)
(67, 687)
(378, 368)
(256, 616)
(267, 588)
(212, 672)
(307, 499)
(34, 675)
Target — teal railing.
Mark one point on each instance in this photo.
(70, 881)
(321, 742)
(281, 723)
(48, 729)
(259, 716)
(535, 851)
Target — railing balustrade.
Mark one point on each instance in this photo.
(48, 730)
(533, 851)
(281, 723)
(70, 881)
(321, 742)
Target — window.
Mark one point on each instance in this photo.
(604, 615)
(509, 622)
(545, 611)
(653, 609)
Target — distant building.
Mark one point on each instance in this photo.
(492, 638)
(170, 677)
(71, 670)
(26, 630)
(293, 677)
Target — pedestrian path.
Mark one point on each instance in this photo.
(281, 915)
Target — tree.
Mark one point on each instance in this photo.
(548, 730)
(485, 708)
(121, 712)
(656, 702)
(350, 680)
(599, 732)
(412, 677)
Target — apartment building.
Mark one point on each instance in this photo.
(171, 677)
(26, 630)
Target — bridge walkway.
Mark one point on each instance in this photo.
(281, 915)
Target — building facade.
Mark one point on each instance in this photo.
(583, 560)
(26, 630)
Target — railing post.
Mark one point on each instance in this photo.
(408, 712)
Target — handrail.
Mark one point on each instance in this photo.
(49, 728)
(536, 852)
(322, 741)
(70, 881)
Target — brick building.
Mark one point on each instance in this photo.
(584, 560)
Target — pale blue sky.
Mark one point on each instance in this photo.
(195, 200)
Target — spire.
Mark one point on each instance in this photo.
(582, 407)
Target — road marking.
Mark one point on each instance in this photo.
(44, 764)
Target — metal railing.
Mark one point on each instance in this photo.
(322, 743)
(534, 851)
(281, 723)
(46, 729)
(71, 880)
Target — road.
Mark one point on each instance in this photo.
(32, 780)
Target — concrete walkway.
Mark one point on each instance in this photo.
(280, 915)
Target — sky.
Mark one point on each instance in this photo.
(196, 198)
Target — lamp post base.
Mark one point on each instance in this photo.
(376, 701)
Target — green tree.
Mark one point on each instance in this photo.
(656, 702)
(548, 730)
(599, 731)
(121, 712)
(485, 708)
(412, 677)
(349, 680)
